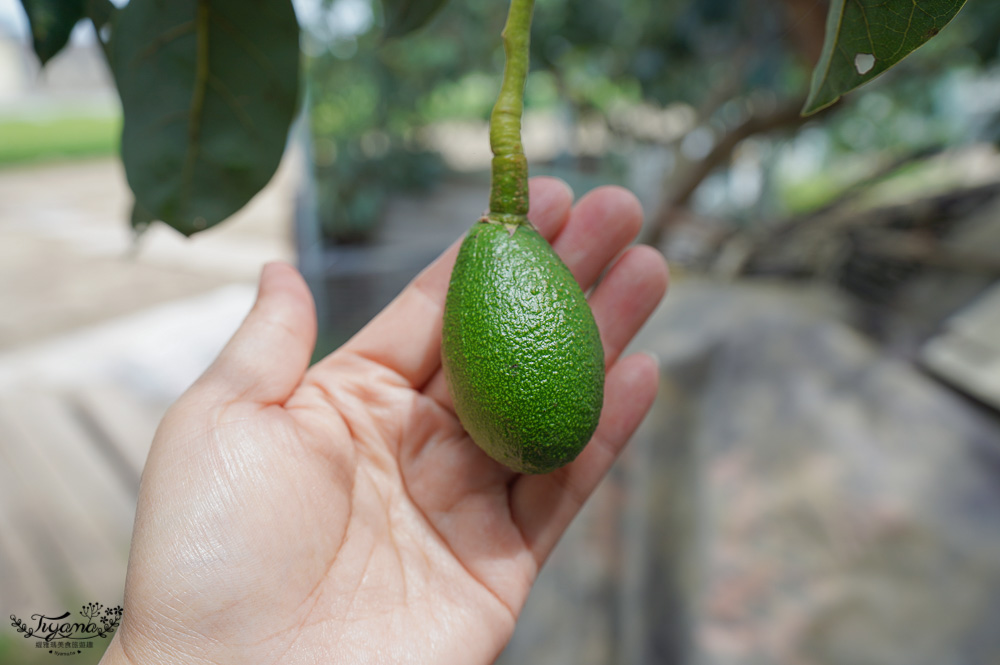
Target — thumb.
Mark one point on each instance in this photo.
(268, 356)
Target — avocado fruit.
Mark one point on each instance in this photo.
(521, 351)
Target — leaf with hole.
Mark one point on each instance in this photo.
(209, 89)
(866, 37)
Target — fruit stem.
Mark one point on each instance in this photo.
(509, 188)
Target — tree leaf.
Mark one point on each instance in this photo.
(52, 22)
(141, 219)
(209, 89)
(101, 12)
(405, 16)
(866, 37)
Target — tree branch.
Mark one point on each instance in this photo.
(786, 116)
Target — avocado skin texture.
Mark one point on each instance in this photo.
(521, 352)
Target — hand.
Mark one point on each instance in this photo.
(339, 513)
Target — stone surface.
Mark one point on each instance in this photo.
(967, 352)
(850, 508)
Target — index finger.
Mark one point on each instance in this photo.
(405, 337)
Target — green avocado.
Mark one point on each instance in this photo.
(521, 352)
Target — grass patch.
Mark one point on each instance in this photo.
(57, 137)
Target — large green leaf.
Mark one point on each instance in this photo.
(405, 16)
(52, 22)
(101, 12)
(866, 37)
(209, 90)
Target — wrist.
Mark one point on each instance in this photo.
(115, 655)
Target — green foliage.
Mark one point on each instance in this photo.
(984, 36)
(404, 16)
(470, 96)
(369, 98)
(52, 21)
(661, 52)
(355, 186)
(209, 91)
(866, 37)
(208, 103)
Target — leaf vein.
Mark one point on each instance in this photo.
(219, 86)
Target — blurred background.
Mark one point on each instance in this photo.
(819, 481)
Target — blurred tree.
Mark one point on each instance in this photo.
(202, 135)
(370, 96)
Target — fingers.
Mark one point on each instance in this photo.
(543, 506)
(603, 222)
(627, 296)
(551, 203)
(406, 335)
(268, 355)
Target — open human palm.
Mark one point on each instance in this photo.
(340, 513)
